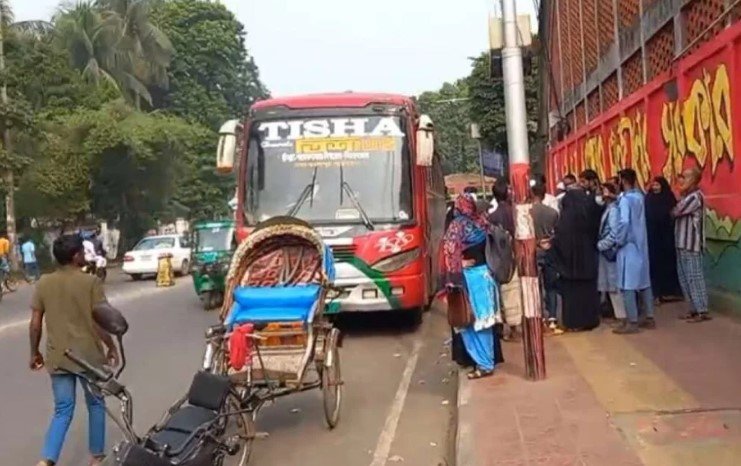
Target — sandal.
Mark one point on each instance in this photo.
(687, 316)
(479, 374)
(697, 318)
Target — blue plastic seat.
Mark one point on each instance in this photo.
(273, 304)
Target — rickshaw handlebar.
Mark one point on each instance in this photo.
(100, 375)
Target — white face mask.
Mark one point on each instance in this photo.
(599, 200)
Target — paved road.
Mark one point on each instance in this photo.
(399, 396)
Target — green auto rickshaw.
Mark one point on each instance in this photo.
(213, 245)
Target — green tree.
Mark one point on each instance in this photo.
(117, 163)
(450, 111)
(114, 41)
(14, 115)
(487, 104)
(148, 48)
(212, 77)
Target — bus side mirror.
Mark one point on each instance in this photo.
(425, 141)
(226, 153)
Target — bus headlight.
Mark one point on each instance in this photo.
(397, 261)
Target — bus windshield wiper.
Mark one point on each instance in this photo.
(307, 192)
(354, 200)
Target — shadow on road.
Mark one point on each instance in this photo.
(373, 324)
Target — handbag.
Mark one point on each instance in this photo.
(459, 309)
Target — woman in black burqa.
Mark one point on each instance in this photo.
(575, 254)
(662, 254)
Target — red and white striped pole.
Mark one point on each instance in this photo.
(519, 166)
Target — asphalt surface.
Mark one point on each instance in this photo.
(398, 405)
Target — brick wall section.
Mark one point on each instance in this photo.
(660, 51)
(627, 12)
(606, 16)
(566, 50)
(610, 92)
(581, 116)
(593, 105)
(570, 119)
(575, 38)
(555, 57)
(736, 13)
(632, 74)
(591, 39)
(587, 32)
(697, 16)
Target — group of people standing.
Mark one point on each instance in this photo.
(597, 244)
(615, 242)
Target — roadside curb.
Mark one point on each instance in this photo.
(465, 454)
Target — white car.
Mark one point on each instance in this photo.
(144, 258)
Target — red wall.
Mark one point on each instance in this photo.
(688, 116)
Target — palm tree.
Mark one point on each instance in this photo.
(114, 40)
(90, 42)
(149, 49)
(8, 27)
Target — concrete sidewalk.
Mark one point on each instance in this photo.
(671, 396)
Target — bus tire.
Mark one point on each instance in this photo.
(415, 316)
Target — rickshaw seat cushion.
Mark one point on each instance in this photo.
(189, 418)
(273, 304)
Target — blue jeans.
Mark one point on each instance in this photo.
(631, 303)
(64, 388)
(32, 270)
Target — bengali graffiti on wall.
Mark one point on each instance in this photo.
(682, 119)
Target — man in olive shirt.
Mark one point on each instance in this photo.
(65, 299)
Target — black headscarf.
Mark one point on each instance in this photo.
(660, 205)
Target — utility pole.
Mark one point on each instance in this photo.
(7, 175)
(519, 159)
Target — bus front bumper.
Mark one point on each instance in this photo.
(368, 295)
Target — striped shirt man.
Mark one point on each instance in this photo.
(689, 224)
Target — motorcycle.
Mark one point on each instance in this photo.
(97, 269)
(195, 431)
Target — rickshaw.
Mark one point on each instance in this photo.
(274, 339)
(213, 244)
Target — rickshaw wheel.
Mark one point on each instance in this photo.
(332, 379)
(242, 426)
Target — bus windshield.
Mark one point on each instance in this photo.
(329, 170)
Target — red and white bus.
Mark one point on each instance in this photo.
(362, 170)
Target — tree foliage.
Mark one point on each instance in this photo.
(212, 76)
(482, 102)
(450, 111)
(85, 148)
(119, 164)
(114, 41)
(487, 104)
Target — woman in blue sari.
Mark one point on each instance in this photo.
(464, 265)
